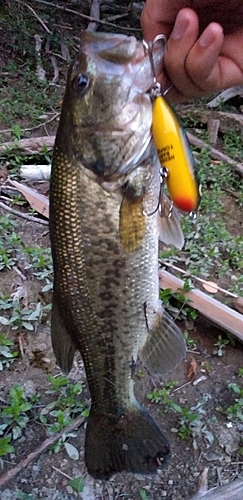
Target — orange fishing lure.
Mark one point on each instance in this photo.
(175, 155)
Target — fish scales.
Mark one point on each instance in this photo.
(105, 250)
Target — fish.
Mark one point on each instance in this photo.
(104, 231)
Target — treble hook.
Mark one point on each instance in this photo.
(156, 92)
(163, 173)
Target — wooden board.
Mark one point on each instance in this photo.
(231, 491)
(226, 318)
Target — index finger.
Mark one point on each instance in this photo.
(159, 16)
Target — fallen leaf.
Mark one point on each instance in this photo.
(71, 451)
(210, 286)
(192, 370)
(38, 201)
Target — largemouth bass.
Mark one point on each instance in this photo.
(104, 230)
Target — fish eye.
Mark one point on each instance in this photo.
(80, 83)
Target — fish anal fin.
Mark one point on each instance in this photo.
(165, 346)
(130, 443)
(63, 346)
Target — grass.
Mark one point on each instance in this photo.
(191, 421)
(212, 247)
(20, 410)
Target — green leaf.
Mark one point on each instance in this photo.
(143, 495)
(77, 484)
(4, 321)
(5, 447)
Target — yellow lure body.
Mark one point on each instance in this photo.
(175, 155)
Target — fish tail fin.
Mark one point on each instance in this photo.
(130, 443)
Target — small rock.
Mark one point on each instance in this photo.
(210, 456)
(29, 389)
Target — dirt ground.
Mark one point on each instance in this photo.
(215, 442)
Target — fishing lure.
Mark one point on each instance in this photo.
(175, 155)
(179, 169)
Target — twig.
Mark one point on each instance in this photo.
(40, 72)
(61, 472)
(94, 12)
(23, 216)
(205, 282)
(84, 16)
(34, 454)
(32, 145)
(36, 15)
(17, 270)
(231, 491)
(29, 129)
(225, 96)
(215, 153)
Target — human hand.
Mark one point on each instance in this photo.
(200, 57)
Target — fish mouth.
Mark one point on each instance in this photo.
(129, 55)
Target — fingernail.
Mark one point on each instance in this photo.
(206, 39)
(180, 27)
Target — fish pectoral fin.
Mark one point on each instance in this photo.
(165, 346)
(63, 346)
(132, 224)
(170, 231)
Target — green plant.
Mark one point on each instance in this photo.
(59, 413)
(40, 261)
(163, 397)
(177, 303)
(236, 409)
(25, 496)
(77, 484)
(17, 132)
(15, 416)
(143, 495)
(190, 422)
(222, 343)
(191, 343)
(7, 354)
(20, 316)
(5, 446)
(188, 419)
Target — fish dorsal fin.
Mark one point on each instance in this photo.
(165, 346)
